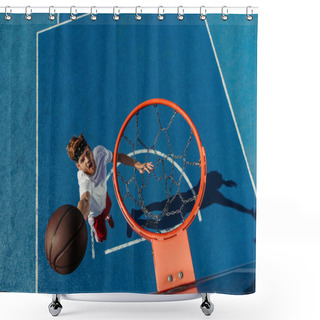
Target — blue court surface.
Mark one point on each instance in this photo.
(88, 77)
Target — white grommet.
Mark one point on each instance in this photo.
(93, 16)
(116, 16)
(249, 17)
(224, 13)
(73, 14)
(160, 16)
(51, 13)
(7, 16)
(180, 13)
(203, 13)
(138, 17)
(28, 13)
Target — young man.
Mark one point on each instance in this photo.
(95, 203)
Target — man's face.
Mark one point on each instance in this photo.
(86, 162)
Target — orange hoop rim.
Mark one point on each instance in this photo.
(203, 165)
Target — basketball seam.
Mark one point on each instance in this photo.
(64, 267)
(67, 245)
(54, 234)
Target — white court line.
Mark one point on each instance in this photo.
(62, 23)
(131, 243)
(245, 270)
(125, 245)
(37, 146)
(237, 269)
(92, 246)
(231, 109)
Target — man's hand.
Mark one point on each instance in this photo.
(148, 166)
(230, 183)
(128, 161)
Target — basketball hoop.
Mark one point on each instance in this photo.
(171, 251)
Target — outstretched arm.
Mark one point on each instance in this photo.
(124, 159)
(84, 204)
(229, 183)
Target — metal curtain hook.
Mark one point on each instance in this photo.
(93, 17)
(7, 16)
(116, 16)
(249, 17)
(180, 13)
(160, 16)
(28, 13)
(138, 17)
(73, 15)
(224, 13)
(203, 15)
(51, 15)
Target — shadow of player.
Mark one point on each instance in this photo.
(179, 203)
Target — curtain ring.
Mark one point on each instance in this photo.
(180, 13)
(7, 16)
(138, 17)
(249, 17)
(203, 16)
(73, 16)
(28, 13)
(224, 13)
(51, 15)
(116, 16)
(160, 16)
(93, 17)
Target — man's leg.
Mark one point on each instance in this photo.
(106, 212)
(99, 228)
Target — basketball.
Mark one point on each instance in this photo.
(66, 239)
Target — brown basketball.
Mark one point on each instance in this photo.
(66, 239)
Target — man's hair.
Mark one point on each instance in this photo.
(73, 146)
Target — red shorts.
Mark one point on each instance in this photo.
(98, 224)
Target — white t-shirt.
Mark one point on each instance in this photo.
(96, 184)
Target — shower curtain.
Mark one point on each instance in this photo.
(62, 78)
